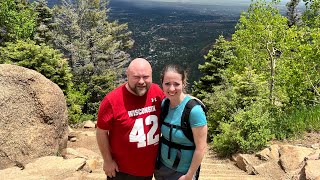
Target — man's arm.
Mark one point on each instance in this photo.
(109, 165)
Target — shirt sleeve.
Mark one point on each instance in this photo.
(163, 96)
(105, 115)
(197, 117)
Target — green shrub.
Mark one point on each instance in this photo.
(226, 143)
(221, 105)
(76, 98)
(41, 58)
(249, 131)
(48, 62)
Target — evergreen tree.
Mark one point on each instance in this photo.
(216, 61)
(17, 20)
(41, 58)
(91, 42)
(292, 13)
(95, 47)
(45, 25)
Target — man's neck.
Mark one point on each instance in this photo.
(130, 90)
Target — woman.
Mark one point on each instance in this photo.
(180, 157)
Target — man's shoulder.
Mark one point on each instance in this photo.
(156, 90)
(115, 92)
(155, 87)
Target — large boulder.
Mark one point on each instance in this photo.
(33, 116)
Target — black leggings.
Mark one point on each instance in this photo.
(124, 176)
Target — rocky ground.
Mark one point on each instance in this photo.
(294, 159)
(214, 167)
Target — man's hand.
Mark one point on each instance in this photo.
(110, 168)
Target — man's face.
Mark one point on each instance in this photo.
(139, 80)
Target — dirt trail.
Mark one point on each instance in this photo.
(212, 168)
(215, 168)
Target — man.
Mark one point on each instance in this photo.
(128, 129)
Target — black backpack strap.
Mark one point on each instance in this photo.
(185, 122)
(185, 127)
(164, 113)
(164, 110)
(198, 173)
(175, 145)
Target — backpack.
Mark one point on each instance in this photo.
(185, 123)
(184, 126)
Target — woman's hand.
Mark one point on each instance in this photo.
(186, 177)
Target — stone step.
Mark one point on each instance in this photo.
(217, 177)
(205, 164)
(96, 176)
(225, 171)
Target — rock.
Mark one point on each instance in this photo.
(312, 169)
(89, 124)
(292, 157)
(33, 116)
(88, 153)
(71, 133)
(246, 163)
(74, 139)
(48, 167)
(314, 156)
(281, 162)
(315, 146)
(70, 153)
(91, 165)
(264, 154)
(274, 152)
(270, 169)
(88, 133)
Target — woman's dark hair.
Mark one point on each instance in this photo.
(178, 69)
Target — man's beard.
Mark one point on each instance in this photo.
(138, 90)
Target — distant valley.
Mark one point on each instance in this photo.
(174, 32)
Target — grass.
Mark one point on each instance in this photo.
(297, 122)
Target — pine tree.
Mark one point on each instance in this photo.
(292, 14)
(41, 58)
(91, 42)
(45, 25)
(95, 47)
(216, 61)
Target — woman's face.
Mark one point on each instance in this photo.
(172, 85)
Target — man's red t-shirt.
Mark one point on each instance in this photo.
(133, 124)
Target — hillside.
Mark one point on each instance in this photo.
(174, 32)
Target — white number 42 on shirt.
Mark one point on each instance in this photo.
(137, 133)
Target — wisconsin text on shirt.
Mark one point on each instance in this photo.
(144, 110)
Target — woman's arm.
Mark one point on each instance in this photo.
(200, 140)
